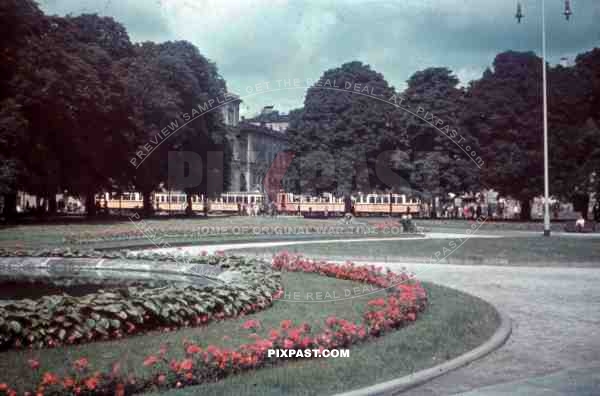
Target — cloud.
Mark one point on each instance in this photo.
(254, 41)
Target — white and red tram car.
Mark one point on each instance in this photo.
(326, 204)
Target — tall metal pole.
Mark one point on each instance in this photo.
(545, 94)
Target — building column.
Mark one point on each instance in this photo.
(248, 159)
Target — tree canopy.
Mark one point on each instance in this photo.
(80, 99)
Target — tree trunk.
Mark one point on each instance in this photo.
(10, 206)
(147, 198)
(90, 205)
(188, 209)
(52, 204)
(581, 203)
(526, 209)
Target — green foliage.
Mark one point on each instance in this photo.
(440, 165)
(77, 92)
(57, 319)
(339, 134)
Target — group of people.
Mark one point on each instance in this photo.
(253, 209)
(245, 209)
(473, 210)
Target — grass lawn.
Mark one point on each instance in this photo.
(183, 230)
(452, 324)
(538, 251)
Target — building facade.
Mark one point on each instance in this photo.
(254, 144)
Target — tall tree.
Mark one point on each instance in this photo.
(574, 132)
(504, 112)
(166, 81)
(441, 166)
(342, 130)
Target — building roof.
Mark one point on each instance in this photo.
(269, 115)
(247, 126)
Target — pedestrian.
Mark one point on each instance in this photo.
(596, 211)
(580, 224)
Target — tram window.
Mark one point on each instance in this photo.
(371, 199)
(386, 200)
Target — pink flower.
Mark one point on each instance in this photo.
(288, 344)
(151, 361)
(81, 364)
(33, 364)
(286, 324)
(192, 349)
(251, 324)
(186, 364)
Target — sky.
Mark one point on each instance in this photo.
(257, 41)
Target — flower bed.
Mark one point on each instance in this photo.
(405, 299)
(61, 319)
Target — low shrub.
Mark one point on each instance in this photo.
(62, 319)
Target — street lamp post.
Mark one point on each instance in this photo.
(520, 16)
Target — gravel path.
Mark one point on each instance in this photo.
(555, 313)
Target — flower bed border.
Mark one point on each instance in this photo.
(406, 299)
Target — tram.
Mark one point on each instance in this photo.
(324, 205)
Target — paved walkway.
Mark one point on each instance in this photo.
(556, 322)
(576, 382)
(210, 249)
(556, 327)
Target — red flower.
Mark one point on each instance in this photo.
(251, 324)
(120, 391)
(174, 365)
(411, 316)
(81, 364)
(288, 344)
(192, 349)
(49, 379)
(68, 382)
(33, 364)
(286, 324)
(380, 302)
(91, 383)
(3, 387)
(273, 334)
(161, 379)
(186, 364)
(151, 360)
